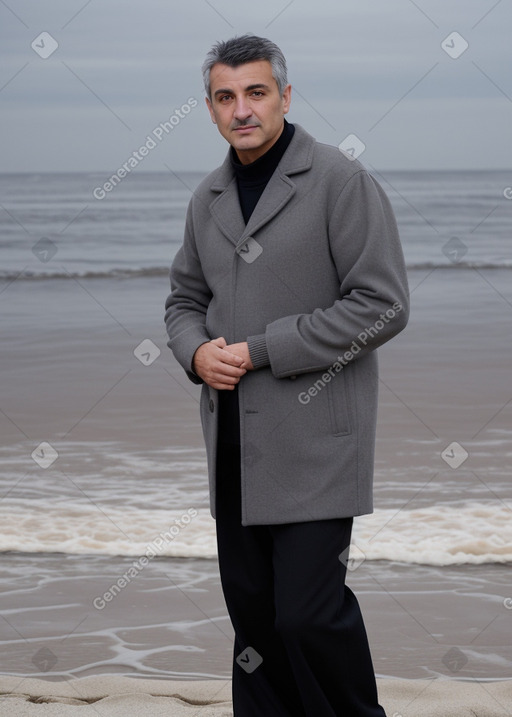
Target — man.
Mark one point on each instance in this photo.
(290, 276)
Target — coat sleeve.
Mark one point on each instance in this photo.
(373, 302)
(186, 305)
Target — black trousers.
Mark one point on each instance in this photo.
(301, 648)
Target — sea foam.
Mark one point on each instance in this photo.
(469, 533)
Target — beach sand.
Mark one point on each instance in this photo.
(128, 697)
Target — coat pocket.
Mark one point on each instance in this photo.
(338, 399)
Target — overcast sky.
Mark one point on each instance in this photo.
(390, 72)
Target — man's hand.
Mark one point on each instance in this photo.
(241, 350)
(217, 365)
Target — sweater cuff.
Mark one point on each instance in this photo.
(258, 351)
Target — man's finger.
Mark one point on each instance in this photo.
(228, 358)
(227, 370)
(223, 386)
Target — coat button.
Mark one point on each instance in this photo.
(211, 405)
(292, 378)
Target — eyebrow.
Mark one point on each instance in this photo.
(257, 86)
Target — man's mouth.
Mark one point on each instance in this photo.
(246, 128)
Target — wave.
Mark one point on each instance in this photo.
(426, 265)
(116, 273)
(159, 271)
(470, 533)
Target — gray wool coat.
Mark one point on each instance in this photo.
(315, 283)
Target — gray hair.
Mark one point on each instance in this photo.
(247, 48)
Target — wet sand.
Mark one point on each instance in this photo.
(171, 621)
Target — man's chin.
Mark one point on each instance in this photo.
(248, 144)
(246, 139)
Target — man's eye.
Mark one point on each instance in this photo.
(257, 93)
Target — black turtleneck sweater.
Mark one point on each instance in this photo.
(251, 181)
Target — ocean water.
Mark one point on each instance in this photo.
(52, 226)
(53, 229)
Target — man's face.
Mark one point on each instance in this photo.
(247, 108)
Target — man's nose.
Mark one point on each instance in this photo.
(242, 109)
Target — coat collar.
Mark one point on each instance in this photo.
(225, 208)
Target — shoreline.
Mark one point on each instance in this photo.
(128, 436)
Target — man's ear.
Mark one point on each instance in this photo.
(287, 98)
(210, 110)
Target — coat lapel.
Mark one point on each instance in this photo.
(225, 208)
(276, 195)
